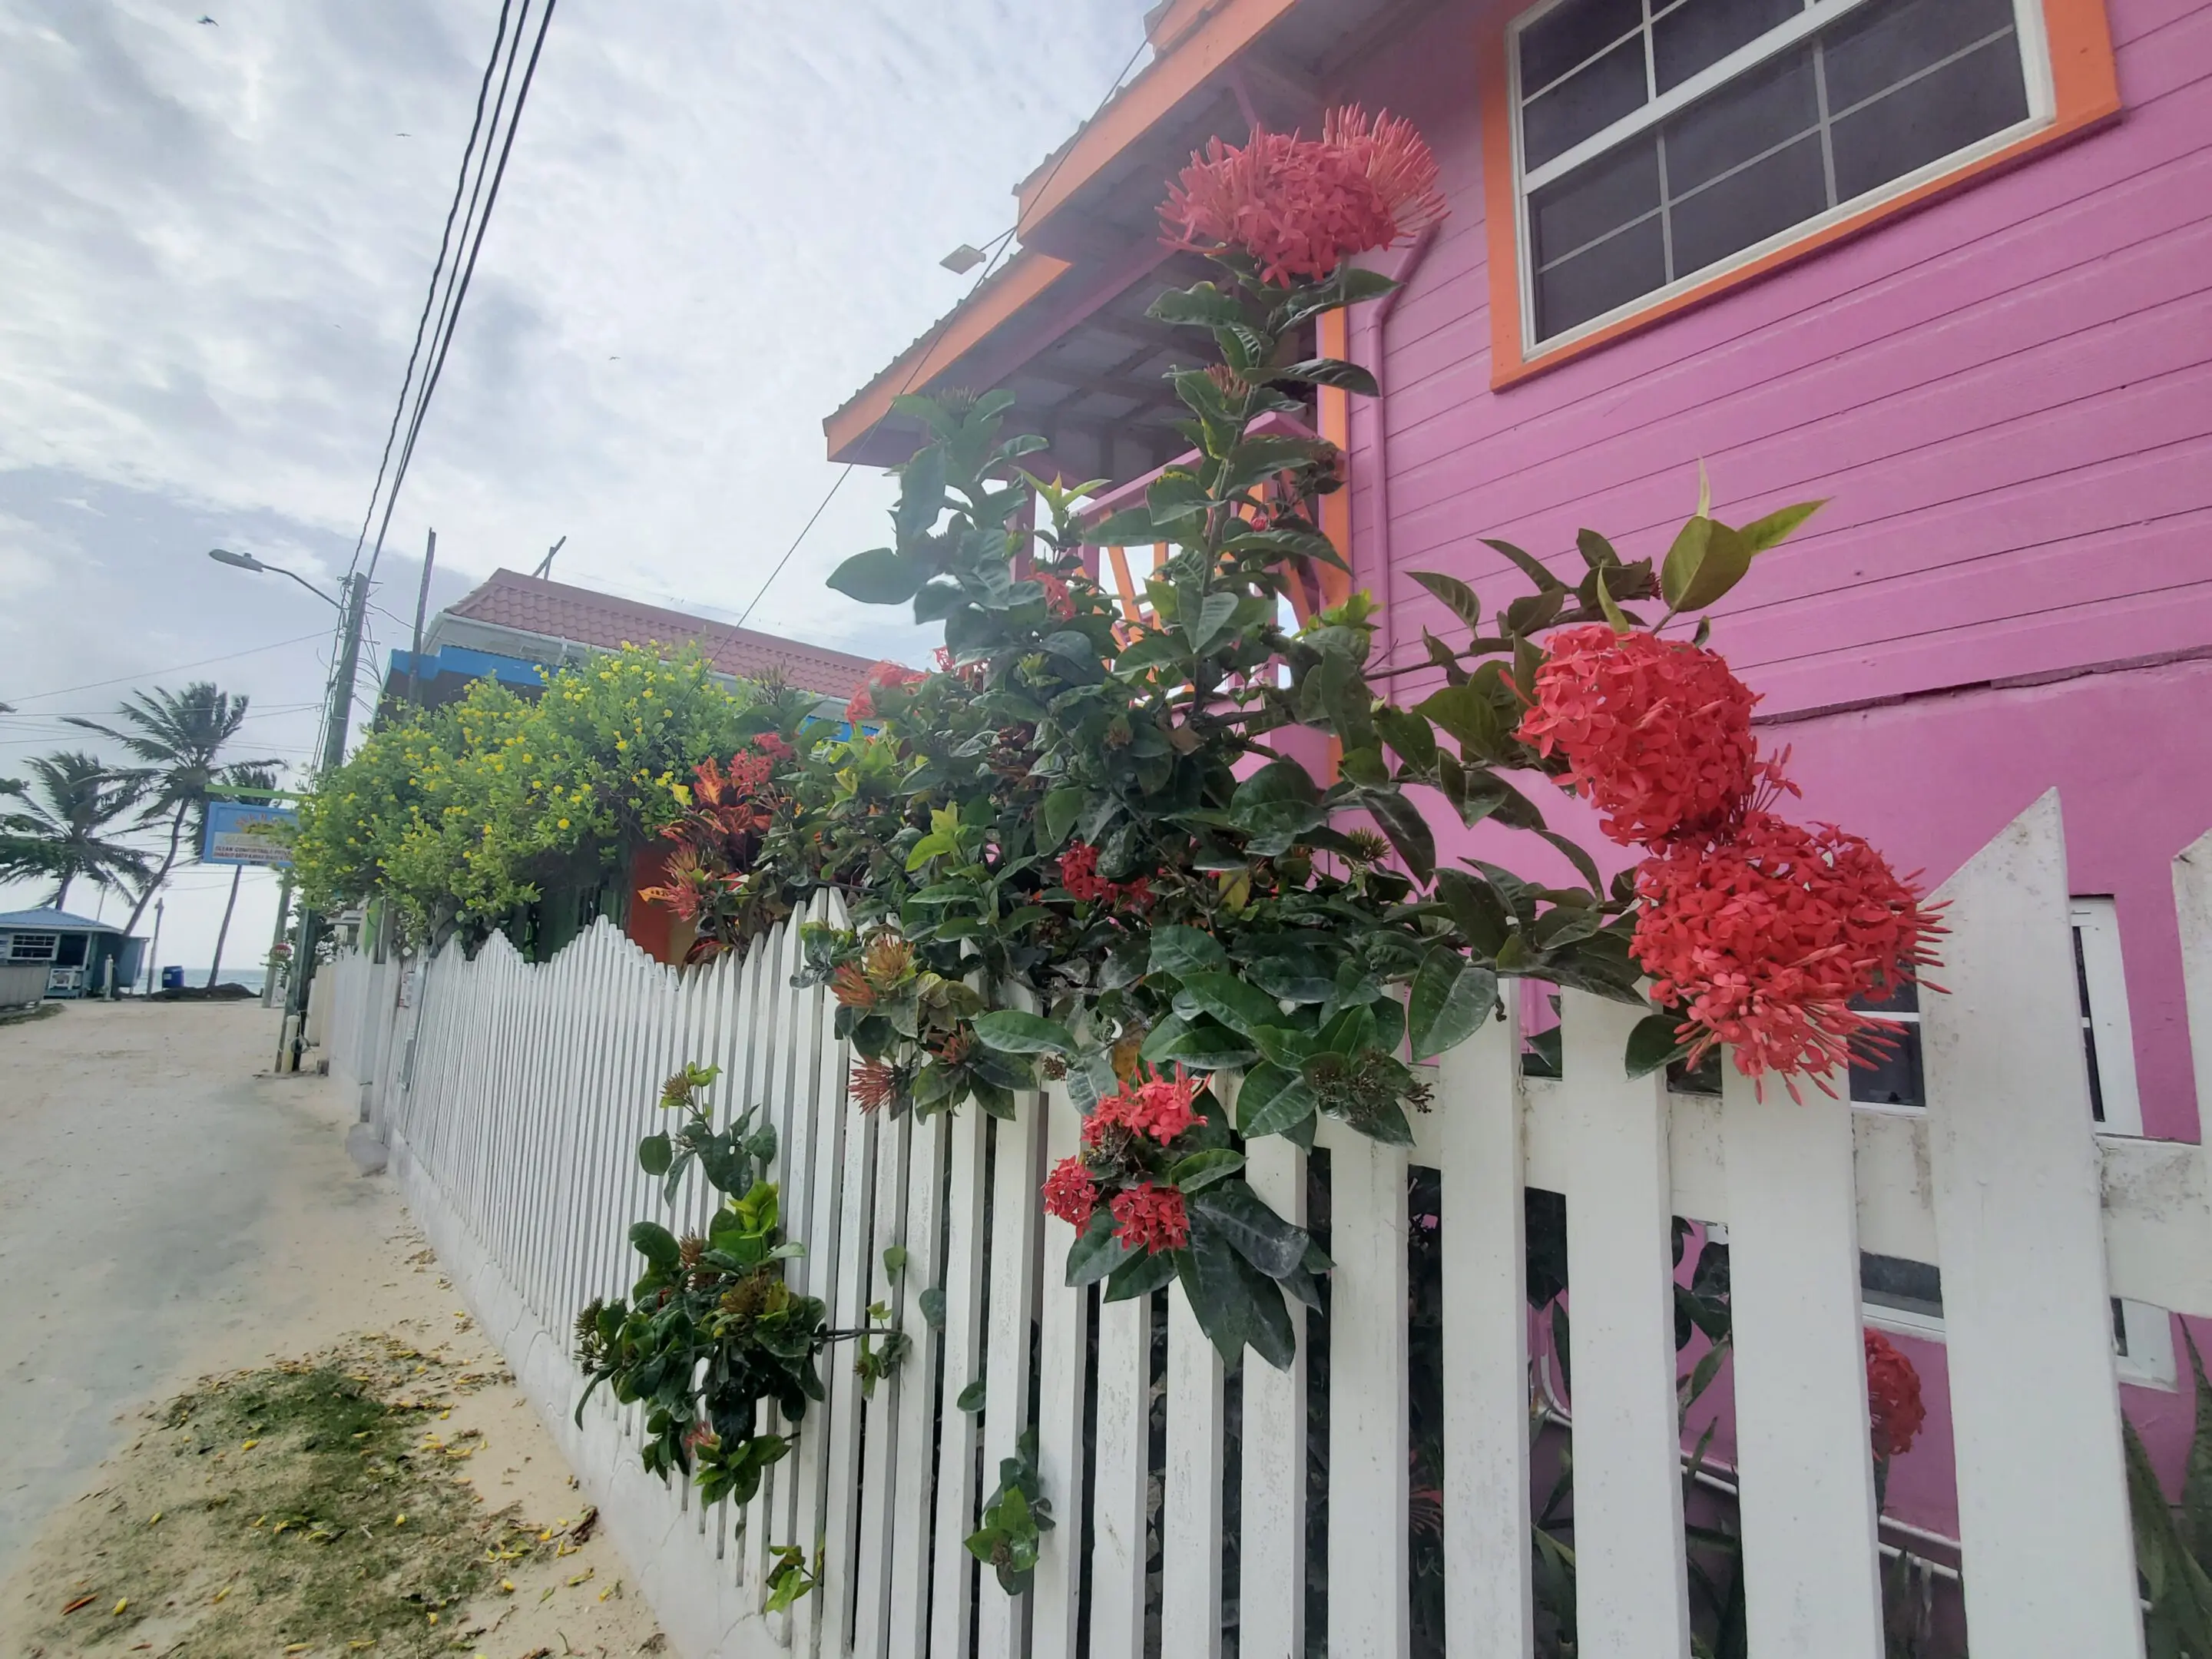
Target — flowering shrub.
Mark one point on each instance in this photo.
(463, 814)
(1080, 851)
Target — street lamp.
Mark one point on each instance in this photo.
(336, 717)
(247, 562)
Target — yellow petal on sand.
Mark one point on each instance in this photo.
(119, 1606)
(249, 1445)
(156, 1521)
(581, 1577)
(507, 1584)
(399, 1521)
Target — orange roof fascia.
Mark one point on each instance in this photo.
(1027, 275)
(1165, 82)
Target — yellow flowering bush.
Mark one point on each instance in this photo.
(462, 815)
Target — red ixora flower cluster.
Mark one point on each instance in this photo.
(1656, 733)
(1071, 1193)
(1158, 1106)
(1078, 873)
(1151, 1218)
(1302, 206)
(1894, 1410)
(1761, 931)
(1765, 938)
(863, 705)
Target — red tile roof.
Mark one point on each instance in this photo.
(554, 611)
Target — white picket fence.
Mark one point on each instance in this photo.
(512, 1095)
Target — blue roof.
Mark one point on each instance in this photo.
(56, 921)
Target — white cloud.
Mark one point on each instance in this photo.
(718, 220)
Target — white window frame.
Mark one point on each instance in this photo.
(2042, 110)
(17, 941)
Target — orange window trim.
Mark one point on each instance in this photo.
(2087, 92)
(1333, 414)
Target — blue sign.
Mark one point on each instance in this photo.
(242, 833)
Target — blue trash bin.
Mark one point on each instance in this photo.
(173, 979)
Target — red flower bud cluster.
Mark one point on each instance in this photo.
(772, 745)
(1151, 1218)
(1894, 1410)
(1078, 873)
(1159, 1106)
(882, 676)
(1300, 206)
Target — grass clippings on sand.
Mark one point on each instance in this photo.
(316, 1507)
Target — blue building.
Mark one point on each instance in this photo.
(76, 952)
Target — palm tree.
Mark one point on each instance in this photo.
(179, 735)
(57, 832)
(258, 779)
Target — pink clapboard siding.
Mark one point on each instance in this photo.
(2007, 393)
(2008, 396)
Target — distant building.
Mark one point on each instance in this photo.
(74, 951)
(514, 629)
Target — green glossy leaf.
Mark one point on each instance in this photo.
(1131, 526)
(1407, 829)
(1529, 564)
(921, 496)
(1184, 951)
(1257, 1233)
(1468, 714)
(1410, 736)
(1451, 997)
(1763, 534)
(1244, 1008)
(1331, 372)
(655, 1243)
(971, 1397)
(1139, 1276)
(933, 1308)
(1272, 1100)
(1013, 1031)
(879, 576)
(1652, 1044)
(654, 1154)
(1200, 1171)
(1614, 617)
(1096, 1251)
(1056, 817)
(1214, 612)
(1597, 552)
(1203, 305)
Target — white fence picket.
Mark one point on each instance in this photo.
(2042, 1508)
(1632, 1581)
(1487, 1604)
(1117, 1511)
(952, 1572)
(1011, 1271)
(1271, 1588)
(915, 1404)
(1370, 1438)
(1807, 1509)
(1190, 1574)
(1062, 1379)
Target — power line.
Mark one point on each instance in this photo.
(445, 241)
(929, 341)
(458, 294)
(174, 668)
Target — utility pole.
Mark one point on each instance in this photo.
(337, 719)
(153, 949)
(275, 939)
(421, 604)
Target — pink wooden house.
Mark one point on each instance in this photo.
(1944, 261)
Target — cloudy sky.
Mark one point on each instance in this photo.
(721, 216)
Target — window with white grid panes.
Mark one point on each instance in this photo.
(33, 947)
(1661, 142)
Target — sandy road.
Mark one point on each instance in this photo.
(165, 1212)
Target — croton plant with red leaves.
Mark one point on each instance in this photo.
(1080, 851)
